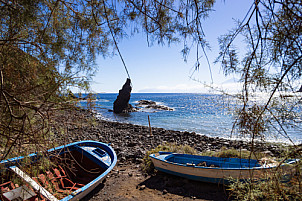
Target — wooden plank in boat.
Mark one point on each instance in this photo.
(34, 184)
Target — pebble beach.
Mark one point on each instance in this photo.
(131, 142)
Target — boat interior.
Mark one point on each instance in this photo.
(212, 162)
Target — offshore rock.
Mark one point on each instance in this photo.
(152, 105)
(121, 104)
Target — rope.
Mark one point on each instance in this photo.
(115, 43)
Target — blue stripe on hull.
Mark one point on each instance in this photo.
(196, 178)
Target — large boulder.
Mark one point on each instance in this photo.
(121, 104)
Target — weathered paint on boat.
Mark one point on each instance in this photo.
(187, 166)
(100, 153)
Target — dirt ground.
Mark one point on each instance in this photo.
(127, 183)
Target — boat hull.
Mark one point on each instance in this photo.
(205, 174)
(209, 174)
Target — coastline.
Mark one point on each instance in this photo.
(131, 142)
(125, 137)
(205, 114)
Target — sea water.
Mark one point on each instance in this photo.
(207, 114)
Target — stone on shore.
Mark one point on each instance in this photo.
(131, 142)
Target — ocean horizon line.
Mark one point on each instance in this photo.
(201, 93)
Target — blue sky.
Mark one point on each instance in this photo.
(161, 68)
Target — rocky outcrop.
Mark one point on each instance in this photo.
(121, 104)
(152, 105)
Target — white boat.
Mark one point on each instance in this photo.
(211, 169)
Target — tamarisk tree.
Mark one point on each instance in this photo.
(46, 46)
(272, 63)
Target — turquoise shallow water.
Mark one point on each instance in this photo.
(200, 113)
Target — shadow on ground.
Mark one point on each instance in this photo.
(93, 192)
(187, 188)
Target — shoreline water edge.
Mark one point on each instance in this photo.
(133, 141)
(206, 114)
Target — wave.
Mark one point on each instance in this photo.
(103, 100)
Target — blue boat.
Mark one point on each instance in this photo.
(212, 169)
(79, 168)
